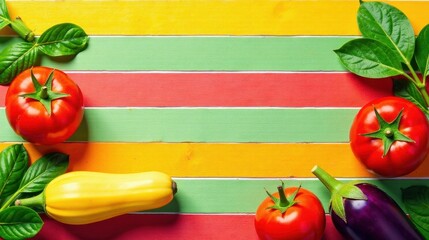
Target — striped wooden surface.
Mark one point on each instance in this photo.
(195, 17)
(165, 227)
(227, 97)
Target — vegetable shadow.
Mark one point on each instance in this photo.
(76, 152)
(82, 132)
(126, 226)
(62, 59)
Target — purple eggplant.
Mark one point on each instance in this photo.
(362, 211)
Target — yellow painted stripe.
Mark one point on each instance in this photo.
(197, 17)
(212, 160)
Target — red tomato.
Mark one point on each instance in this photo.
(46, 111)
(299, 217)
(395, 142)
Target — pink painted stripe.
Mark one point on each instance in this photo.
(163, 227)
(143, 89)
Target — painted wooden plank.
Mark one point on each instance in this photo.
(208, 125)
(195, 17)
(212, 160)
(164, 227)
(234, 195)
(221, 89)
(223, 53)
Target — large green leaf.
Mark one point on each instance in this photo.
(369, 58)
(422, 51)
(19, 223)
(387, 24)
(63, 40)
(13, 165)
(15, 59)
(416, 201)
(43, 171)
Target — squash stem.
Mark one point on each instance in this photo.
(36, 201)
(174, 187)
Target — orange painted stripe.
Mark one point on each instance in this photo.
(213, 160)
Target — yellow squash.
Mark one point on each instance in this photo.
(85, 197)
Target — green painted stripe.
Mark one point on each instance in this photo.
(207, 53)
(244, 195)
(208, 125)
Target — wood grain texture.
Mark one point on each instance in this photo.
(213, 160)
(226, 89)
(272, 125)
(164, 227)
(195, 17)
(197, 53)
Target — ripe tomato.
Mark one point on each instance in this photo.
(44, 105)
(290, 214)
(390, 136)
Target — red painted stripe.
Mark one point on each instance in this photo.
(142, 89)
(163, 227)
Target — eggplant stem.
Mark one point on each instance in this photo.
(330, 182)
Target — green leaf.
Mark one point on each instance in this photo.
(4, 15)
(15, 59)
(63, 40)
(3, 10)
(369, 58)
(43, 171)
(19, 222)
(416, 202)
(422, 51)
(406, 89)
(13, 165)
(387, 24)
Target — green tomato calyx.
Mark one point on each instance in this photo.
(283, 202)
(339, 191)
(44, 93)
(388, 132)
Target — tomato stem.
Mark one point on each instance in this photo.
(388, 132)
(283, 203)
(283, 200)
(44, 93)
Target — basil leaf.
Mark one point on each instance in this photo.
(13, 165)
(422, 51)
(408, 90)
(387, 24)
(43, 171)
(416, 202)
(15, 59)
(19, 222)
(63, 40)
(4, 15)
(369, 58)
(3, 10)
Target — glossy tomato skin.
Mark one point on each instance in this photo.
(403, 157)
(305, 220)
(30, 119)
